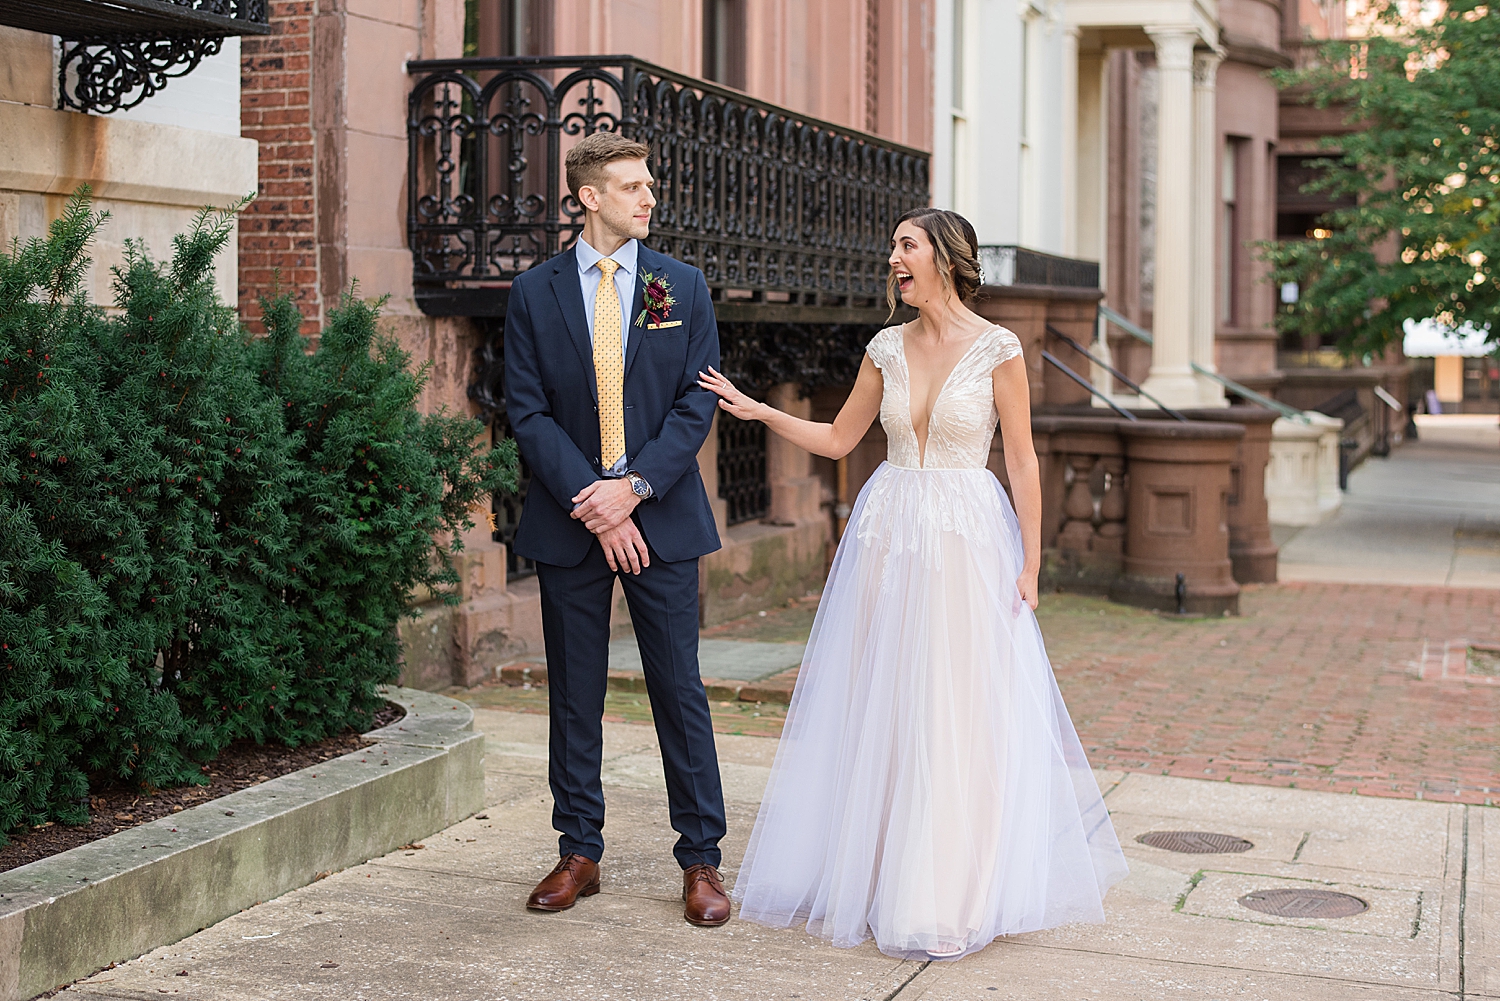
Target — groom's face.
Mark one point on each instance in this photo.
(624, 203)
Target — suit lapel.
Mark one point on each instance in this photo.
(645, 261)
(569, 292)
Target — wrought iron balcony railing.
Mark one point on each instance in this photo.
(785, 214)
(117, 53)
(1012, 265)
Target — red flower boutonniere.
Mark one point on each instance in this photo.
(658, 299)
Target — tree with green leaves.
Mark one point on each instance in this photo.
(1419, 176)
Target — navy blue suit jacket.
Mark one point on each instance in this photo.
(553, 403)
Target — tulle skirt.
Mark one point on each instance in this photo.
(929, 789)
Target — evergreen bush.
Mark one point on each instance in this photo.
(203, 537)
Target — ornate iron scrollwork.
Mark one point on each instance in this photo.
(106, 76)
(756, 356)
(116, 62)
(813, 356)
(742, 469)
(772, 204)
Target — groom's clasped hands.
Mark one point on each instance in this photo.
(605, 507)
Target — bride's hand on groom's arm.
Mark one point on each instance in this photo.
(604, 504)
(624, 548)
(730, 398)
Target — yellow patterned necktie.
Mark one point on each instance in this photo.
(609, 366)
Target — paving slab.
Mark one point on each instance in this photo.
(447, 921)
(1428, 514)
(1009, 971)
(1295, 826)
(1482, 940)
(728, 660)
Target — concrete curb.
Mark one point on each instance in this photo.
(67, 916)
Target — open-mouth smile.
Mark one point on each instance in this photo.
(903, 281)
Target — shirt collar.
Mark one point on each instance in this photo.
(625, 257)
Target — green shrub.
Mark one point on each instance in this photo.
(203, 537)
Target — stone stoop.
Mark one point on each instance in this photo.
(763, 566)
(465, 644)
(64, 917)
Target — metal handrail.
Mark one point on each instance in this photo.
(1049, 356)
(1291, 413)
(1113, 371)
(1139, 333)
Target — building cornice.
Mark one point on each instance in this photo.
(1238, 49)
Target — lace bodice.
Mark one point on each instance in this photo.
(963, 418)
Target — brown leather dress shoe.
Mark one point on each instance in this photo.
(703, 895)
(575, 876)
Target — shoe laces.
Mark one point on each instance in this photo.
(705, 873)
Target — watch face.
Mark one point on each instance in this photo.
(639, 486)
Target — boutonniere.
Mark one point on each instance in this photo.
(657, 295)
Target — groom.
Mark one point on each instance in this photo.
(603, 346)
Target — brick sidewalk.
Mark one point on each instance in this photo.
(1313, 686)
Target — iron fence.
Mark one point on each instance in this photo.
(1012, 265)
(772, 206)
(742, 469)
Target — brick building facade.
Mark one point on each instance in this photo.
(279, 232)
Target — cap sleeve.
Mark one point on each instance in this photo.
(1006, 346)
(881, 348)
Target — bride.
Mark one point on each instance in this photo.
(929, 789)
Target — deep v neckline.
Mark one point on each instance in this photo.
(942, 389)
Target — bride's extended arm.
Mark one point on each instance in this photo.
(834, 440)
(1013, 401)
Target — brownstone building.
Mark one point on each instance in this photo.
(1112, 153)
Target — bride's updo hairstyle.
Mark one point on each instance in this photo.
(955, 251)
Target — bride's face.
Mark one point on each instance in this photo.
(912, 263)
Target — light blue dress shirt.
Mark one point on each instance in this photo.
(589, 275)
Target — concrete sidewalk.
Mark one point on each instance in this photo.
(447, 922)
(1427, 515)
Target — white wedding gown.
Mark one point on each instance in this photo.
(929, 789)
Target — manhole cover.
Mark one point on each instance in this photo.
(1304, 903)
(1195, 842)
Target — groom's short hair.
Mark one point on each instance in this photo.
(585, 162)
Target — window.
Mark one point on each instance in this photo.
(1027, 210)
(1229, 235)
(507, 27)
(724, 42)
(961, 179)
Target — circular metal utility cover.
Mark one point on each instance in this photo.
(1304, 903)
(1195, 842)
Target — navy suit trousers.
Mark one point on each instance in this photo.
(663, 602)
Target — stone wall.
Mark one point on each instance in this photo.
(151, 176)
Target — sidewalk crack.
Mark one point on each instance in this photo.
(1463, 903)
(902, 986)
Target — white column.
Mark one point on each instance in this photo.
(1070, 141)
(1171, 379)
(1206, 212)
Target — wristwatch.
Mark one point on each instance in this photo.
(638, 485)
